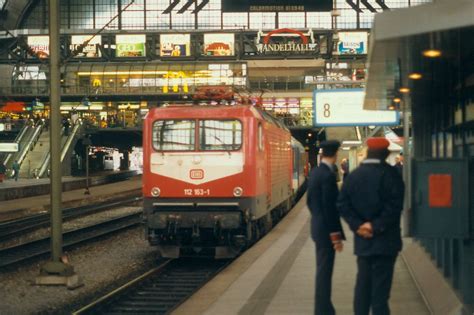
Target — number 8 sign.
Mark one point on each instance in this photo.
(345, 107)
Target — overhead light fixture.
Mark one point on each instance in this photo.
(391, 107)
(397, 100)
(404, 90)
(432, 53)
(415, 76)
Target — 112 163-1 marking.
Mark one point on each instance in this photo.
(197, 192)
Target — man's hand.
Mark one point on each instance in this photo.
(365, 230)
(338, 247)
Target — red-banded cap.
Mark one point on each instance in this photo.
(378, 143)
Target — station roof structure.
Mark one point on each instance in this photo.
(399, 38)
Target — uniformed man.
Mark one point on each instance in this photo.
(371, 202)
(326, 230)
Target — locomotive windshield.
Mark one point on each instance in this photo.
(174, 135)
(220, 135)
(214, 135)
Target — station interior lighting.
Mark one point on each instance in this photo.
(404, 90)
(432, 53)
(391, 107)
(415, 76)
(397, 100)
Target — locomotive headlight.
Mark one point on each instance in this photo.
(238, 191)
(155, 192)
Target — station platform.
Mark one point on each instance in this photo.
(11, 189)
(73, 196)
(276, 276)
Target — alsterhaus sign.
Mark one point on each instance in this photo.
(286, 41)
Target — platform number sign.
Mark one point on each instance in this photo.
(345, 107)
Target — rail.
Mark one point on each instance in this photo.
(17, 227)
(16, 254)
(160, 290)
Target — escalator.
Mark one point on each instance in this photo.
(36, 163)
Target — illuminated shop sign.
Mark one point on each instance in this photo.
(352, 43)
(177, 45)
(40, 45)
(276, 5)
(130, 46)
(286, 41)
(219, 44)
(345, 107)
(91, 50)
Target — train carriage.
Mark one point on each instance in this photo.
(215, 178)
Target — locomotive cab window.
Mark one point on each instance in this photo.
(220, 135)
(174, 135)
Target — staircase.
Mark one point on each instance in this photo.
(35, 158)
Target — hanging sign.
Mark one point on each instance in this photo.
(91, 50)
(344, 107)
(219, 44)
(286, 41)
(39, 45)
(276, 5)
(130, 45)
(176, 45)
(352, 43)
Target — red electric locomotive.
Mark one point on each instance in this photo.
(215, 178)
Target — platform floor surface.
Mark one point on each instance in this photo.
(276, 276)
(132, 184)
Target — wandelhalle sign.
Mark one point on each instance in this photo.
(286, 42)
(276, 5)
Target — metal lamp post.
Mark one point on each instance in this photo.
(56, 271)
(87, 142)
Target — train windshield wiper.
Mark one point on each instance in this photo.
(223, 144)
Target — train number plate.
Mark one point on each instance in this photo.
(197, 192)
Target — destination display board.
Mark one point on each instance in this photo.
(345, 107)
(276, 5)
(9, 147)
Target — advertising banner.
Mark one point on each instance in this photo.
(352, 43)
(40, 45)
(276, 5)
(91, 50)
(345, 107)
(177, 45)
(130, 45)
(219, 44)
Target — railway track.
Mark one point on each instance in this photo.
(22, 252)
(158, 291)
(14, 228)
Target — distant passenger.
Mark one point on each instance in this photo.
(3, 171)
(371, 201)
(399, 164)
(344, 168)
(16, 170)
(326, 229)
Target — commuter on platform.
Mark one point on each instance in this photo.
(371, 201)
(3, 171)
(326, 229)
(399, 164)
(66, 126)
(16, 170)
(344, 168)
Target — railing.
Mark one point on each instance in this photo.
(32, 142)
(44, 169)
(18, 139)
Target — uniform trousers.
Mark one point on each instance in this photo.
(324, 269)
(373, 284)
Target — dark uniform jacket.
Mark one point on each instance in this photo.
(322, 198)
(374, 193)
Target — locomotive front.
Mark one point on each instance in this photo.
(197, 185)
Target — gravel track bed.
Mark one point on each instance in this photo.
(102, 266)
(72, 225)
